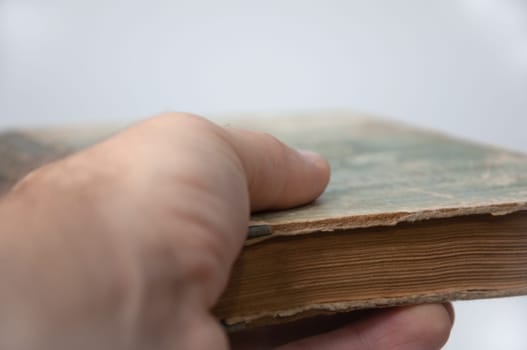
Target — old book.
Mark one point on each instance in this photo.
(410, 216)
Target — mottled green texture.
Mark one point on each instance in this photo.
(385, 172)
(382, 172)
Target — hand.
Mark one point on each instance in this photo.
(129, 244)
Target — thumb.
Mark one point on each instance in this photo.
(278, 176)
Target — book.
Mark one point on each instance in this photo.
(410, 216)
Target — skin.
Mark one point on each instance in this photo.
(129, 244)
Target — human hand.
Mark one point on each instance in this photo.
(129, 244)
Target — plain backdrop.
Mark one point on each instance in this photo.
(457, 65)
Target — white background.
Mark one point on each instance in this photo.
(459, 66)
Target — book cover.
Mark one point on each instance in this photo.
(409, 216)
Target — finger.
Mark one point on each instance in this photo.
(268, 337)
(278, 176)
(415, 327)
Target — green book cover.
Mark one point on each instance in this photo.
(384, 175)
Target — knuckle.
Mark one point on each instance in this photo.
(33, 177)
(179, 118)
(44, 177)
(275, 145)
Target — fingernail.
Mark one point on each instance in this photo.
(451, 313)
(312, 157)
(319, 163)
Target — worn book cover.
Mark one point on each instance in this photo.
(409, 216)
